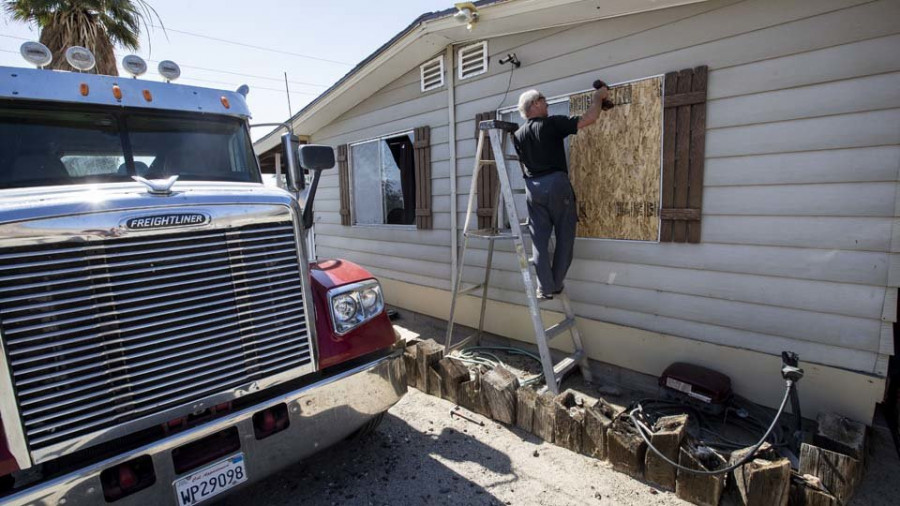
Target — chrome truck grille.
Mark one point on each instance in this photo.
(100, 334)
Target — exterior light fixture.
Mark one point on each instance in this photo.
(467, 13)
(169, 69)
(134, 65)
(80, 58)
(36, 54)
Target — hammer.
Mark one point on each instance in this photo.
(607, 103)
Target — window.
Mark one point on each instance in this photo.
(384, 181)
(472, 60)
(432, 74)
(47, 145)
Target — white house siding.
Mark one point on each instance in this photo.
(800, 241)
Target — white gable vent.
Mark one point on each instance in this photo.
(432, 73)
(472, 60)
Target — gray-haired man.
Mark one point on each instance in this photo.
(551, 200)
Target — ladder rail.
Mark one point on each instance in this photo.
(496, 133)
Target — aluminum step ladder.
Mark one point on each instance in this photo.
(497, 133)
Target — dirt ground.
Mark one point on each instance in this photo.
(422, 455)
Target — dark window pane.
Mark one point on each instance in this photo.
(42, 147)
(208, 149)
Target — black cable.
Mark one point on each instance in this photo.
(641, 428)
(512, 68)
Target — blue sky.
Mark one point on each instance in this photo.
(344, 31)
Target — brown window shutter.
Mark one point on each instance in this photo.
(488, 183)
(422, 146)
(344, 182)
(684, 148)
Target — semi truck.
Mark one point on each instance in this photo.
(164, 337)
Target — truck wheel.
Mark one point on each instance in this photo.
(369, 427)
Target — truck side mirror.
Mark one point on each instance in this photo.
(315, 157)
(290, 146)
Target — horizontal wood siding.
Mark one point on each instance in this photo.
(800, 231)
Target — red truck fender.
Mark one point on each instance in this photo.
(373, 335)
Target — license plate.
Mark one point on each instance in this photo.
(211, 480)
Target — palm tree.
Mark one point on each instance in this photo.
(98, 25)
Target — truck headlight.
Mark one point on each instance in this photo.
(354, 304)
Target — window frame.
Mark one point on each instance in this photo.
(351, 181)
(485, 58)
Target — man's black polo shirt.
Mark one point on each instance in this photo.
(539, 144)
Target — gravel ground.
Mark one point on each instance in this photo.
(422, 455)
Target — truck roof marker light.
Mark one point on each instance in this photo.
(85, 89)
(169, 69)
(117, 92)
(225, 102)
(80, 58)
(134, 65)
(147, 96)
(36, 54)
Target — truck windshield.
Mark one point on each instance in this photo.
(41, 147)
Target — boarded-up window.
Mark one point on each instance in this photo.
(684, 145)
(614, 164)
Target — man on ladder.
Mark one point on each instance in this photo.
(550, 198)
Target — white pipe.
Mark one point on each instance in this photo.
(451, 119)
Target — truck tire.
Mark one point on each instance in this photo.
(368, 428)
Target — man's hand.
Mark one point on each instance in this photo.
(590, 116)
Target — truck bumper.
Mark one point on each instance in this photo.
(320, 415)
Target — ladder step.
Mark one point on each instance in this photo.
(559, 328)
(519, 191)
(490, 161)
(491, 234)
(470, 289)
(566, 365)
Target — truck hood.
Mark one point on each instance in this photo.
(20, 204)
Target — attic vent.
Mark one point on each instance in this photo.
(473, 60)
(432, 73)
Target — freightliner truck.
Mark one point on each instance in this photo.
(163, 337)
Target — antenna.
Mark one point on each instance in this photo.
(287, 91)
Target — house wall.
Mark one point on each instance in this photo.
(800, 242)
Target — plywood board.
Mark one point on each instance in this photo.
(614, 164)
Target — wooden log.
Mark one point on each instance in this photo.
(544, 416)
(705, 490)
(842, 435)
(763, 481)
(499, 389)
(470, 394)
(434, 383)
(840, 474)
(626, 448)
(428, 354)
(453, 372)
(411, 363)
(598, 417)
(568, 424)
(526, 398)
(668, 433)
(806, 490)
